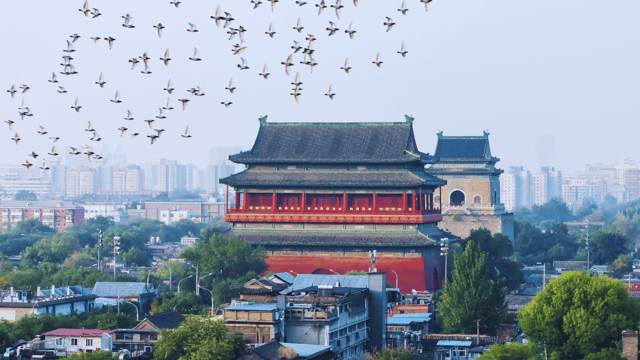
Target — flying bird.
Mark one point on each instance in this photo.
(24, 88)
(346, 66)
(297, 83)
(288, 64)
(123, 130)
(184, 103)
(265, 72)
(117, 98)
(389, 23)
(34, 155)
(25, 112)
(74, 151)
(95, 40)
(153, 138)
(296, 95)
(332, 28)
(42, 131)
(134, 134)
(161, 116)
(16, 138)
(53, 151)
(403, 8)
(299, 26)
(321, 6)
(330, 94)
(54, 78)
(145, 58)
(187, 133)
(232, 33)
(244, 65)
(239, 49)
(10, 122)
(218, 16)
(77, 106)
(101, 81)
(44, 165)
(159, 27)
(62, 90)
(227, 19)
(231, 87)
(110, 40)
(256, 3)
(146, 70)
(169, 88)
(74, 37)
(89, 127)
(12, 91)
(27, 164)
(227, 104)
(69, 47)
(168, 107)
(128, 19)
(196, 55)
(176, 3)
(426, 4)
(95, 137)
(96, 13)
(166, 57)
(403, 50)
(159, 131)
(85, 8)
(192, 28)
(296, 46)
(351, 31)
(378, 61)
(270, 32)
(129, 117)
(134, 62)
(301, 2)
(273, 4)
(338, 6)
(149, 121)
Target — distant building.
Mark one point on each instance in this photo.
(515, 188)
(274, 350)
(109, 292)
(406, 330)
(575, 191)
(130, 178)
(15, 304)
(76, 341)
(58, 215)
(628, 174)
(172, 211)
(144, 336)
(14, 178)
(457, 350)
(471, 197)
(82, 181)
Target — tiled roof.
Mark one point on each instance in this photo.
(333, 143)
(166, 320)
(454, 343)
(402, 238)
(463, 147)
(407, 319)
(62, 291)
(332, 178)
(125, 289)
(78, 332)
(264, 286)
(286, 277)
(253, 307)
(306, 350)
(304, 281)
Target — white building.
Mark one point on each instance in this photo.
(78, 340)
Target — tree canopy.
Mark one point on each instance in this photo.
(535, 245)
(499, 249)
(544, 215)
(577, 315)
(199, 339)
(472, 295)
(513, 351)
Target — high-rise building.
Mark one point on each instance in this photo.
(515, 188)
(129, 178)
(14, 178)
(82, 181)
(628, 174)
(575, 191)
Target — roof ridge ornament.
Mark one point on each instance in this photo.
(263, 119)
(440, 134)
(409, 118)
(486, 133)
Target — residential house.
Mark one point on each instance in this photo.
(15, 304)
(77, 340)
(457, 350)
(144, 336)
(274, 350)
(138, 293)
(406, 330)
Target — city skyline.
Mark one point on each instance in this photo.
(519, 96)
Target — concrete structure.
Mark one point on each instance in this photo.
(515, 188)
(171, 211)
(144, 336)
(457, 350)
(130, 178)
(14, 304)
(82, 181)
(630, 344)
(628, 174)
(14, 178)
(471, 197)
(321, 196)
(58, 215)
(274, 350)
(77, 341)
(406, 330)
(138, 293)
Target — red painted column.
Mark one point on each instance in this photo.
(415, 198)
(404, 204)
(246, 202)
(237, 205)
(274, 202)
(375, 205)
(344, 203)
(227, 205)
(421, 205)
(303, 207)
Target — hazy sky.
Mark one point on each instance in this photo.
(521, 69)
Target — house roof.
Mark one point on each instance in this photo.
(402, 238)
(252, 307)
(78, 332)
(259, 286)
(304, 281)
(166, 320)
(122, 289)
(454, 343)
(331, 143)
(332, 178)
(307, 350)
(285, 276)
(407, 319)
(62, 291)
(463, 148)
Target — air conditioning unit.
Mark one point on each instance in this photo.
(419, 351)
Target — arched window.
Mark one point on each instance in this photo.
(457, 198)
(477, 200)
(321, 272)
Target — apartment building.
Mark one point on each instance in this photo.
(58, 215)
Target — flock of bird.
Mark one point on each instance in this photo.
(219, 17)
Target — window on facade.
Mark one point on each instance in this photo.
(58, 342)
(477, 199)
(89, 342)
(389, 202)
(328, 202)
(360, 202)
(74, 342)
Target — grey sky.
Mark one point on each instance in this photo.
(518, 68)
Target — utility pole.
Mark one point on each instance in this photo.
(197, 282)
(116, 251)
(99, 246)
(477, 332)
(444, 247)
(587, 222)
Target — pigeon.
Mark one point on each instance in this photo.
(161, 116)
(218, 16)
(77, 106)
(145, 58)
(128, 19)
(27, 164)
(273, 4)
(85, 8)
(321, 6)
(34, 155)
(134, 62)
(95, 40)
(24, 88)
(95, 137)
(241, 31)
(196, 55)
(101, 81)
(270, 32)
(346, 66)
(299, 26)
(378, 61)
(403, 50)
(244, 65)
(44, 165)
(301, 2)
(54, 138)
(176, 3)
(232, 33)
(89, 127)
(198, 91)
(256, 3)
(187, 133)
(166, 57)
(16, 138)
(332, 28)
(74, 151)
(351, 32)
(265, 72)
(12, 91)
(338, 6)
(296, 95)
(330, 94)
(231, 87)
(10, 122)
(355, 3)
(389, 23)
(192, 28)
(226, 104)
(296, 46)
(117, 98)
(134, 134)
(239, 49)
(403, 8)
(159, 27)
(169, 88)
(96, 13)
(149, 121)
(168, 107)
(53, 151)
(146, 70)
(24, 113)
(123, 130)
(297, 83)
(153, 138)
(308, 60)
(110, 40)
(42, 131)
(426, 4)
(74, 37)
(54, 78)
(159, 131)
(69, 47)
(288, 64)
(184, 103)
(61, 90)
(129, 117)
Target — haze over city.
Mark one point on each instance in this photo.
(518, 69)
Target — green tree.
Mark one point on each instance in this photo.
(620, 266)
(606, 247)
(98, 355)
(513, 351)
(472, 295)
(53, 248)
(552, 211)
(499, 249)
(534, 245)
(588, 207)
(391, 354)
(195, 339)
(577, 315)
(25, 195)
(187, 302)
(232, 261)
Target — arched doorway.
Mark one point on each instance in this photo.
(456, 198)
(321, 272)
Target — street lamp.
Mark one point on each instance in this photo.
(119, 295)
(444, 251)
(587, 243)
(396, 278)
(134, 305)
(190, 276)
(335, 272)
(202, 287)
(544, 274)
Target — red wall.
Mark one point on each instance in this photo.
(411, 271)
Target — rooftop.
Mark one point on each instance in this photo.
(78, 332)
(39, 204)
(166, 320)
(122, 289)
(252, 307)
(332, 143)
(407, 319)
(306, 350)
(454, 343)
(304, 281)
(463, 148)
